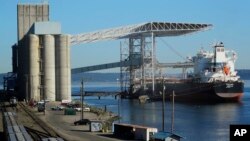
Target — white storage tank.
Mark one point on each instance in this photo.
(34, 70)
(63, 70)
(49, 67)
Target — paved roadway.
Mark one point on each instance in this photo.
(64, 125)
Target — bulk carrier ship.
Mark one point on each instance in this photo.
(213, 79)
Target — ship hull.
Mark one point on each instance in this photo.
(198, 92)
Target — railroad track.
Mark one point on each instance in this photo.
(44, 131)
(38, 135)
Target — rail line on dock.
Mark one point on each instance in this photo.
(11, 120)
(49, 132)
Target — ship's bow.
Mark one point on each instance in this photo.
(229, 91)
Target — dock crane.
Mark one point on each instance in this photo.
(138, 59)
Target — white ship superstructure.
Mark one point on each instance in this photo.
(215, 66)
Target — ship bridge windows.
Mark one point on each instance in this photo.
(220, 49)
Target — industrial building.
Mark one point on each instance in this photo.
(139, 67)
(41, 58)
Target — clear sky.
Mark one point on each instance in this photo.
(231, 20)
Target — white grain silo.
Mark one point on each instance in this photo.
(27, 14)
(63, 70)
(49, 67)
(34, 70)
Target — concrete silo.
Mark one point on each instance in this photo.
(42, 73)
(34, 67)
(63, 70)
(27, 15)
(23, 70)
(48, 67)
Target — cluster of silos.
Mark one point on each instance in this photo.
(42, 57)
(49, 67)
(27, 15)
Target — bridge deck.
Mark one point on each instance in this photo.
(98, 93)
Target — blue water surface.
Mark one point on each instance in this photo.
(192, 121)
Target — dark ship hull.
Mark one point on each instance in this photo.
(196, 92)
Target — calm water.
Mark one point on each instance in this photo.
(193, 122)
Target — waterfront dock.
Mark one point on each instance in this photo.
(62, 125)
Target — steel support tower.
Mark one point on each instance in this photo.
(137, 76)
(139, 45)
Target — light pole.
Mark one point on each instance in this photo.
(163, 105)
(44, 89)
(172, 119)
(118, 101)
(82, 97)
(26, 87)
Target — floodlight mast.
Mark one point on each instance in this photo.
(141, 46)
